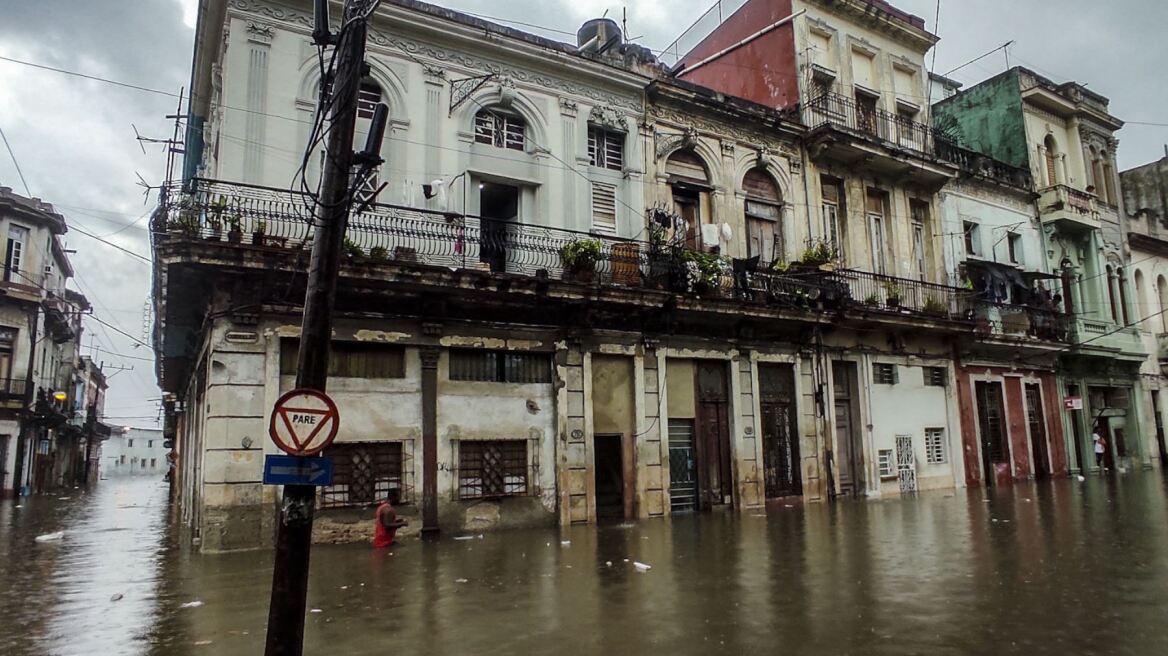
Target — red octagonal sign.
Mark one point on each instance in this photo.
(304, 422)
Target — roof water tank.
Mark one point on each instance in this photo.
(598, 35)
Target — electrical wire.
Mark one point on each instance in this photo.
(15, 162)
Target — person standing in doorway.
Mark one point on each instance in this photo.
(1100, 448)
(387, 521)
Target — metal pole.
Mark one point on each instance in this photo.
(294, 530)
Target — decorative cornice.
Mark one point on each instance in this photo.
(720, 130)
(416, 49)
(260, 33)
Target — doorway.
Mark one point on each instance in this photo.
(780, 435)
(1159, 419)
(610, 479)
(713, 436)
(849, 453)
(683, 470)
(498, 209)
(1077, 430)
(1037, 421)
(992, 426)
(4, 440)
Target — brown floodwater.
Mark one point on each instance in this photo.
(1060, 568)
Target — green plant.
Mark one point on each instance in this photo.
(935, 306)
(705, 268)
(780, 266)
(187, 222)
(215, 218)
(892, 290)
(581, 254)
(872, 300)
(261, 226)
(818, 254)
(378, 253)
(235, 223)
(351, 248)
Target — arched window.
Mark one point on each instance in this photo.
(500, 129)
(1051, 153)
(689, 182)
(1108, 181)
(1162, 302)
(1096, 172)
(764, 213)
(1141, 297)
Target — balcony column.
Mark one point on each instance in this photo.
(1076, 290)
(429, 361)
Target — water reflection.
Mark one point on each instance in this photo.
(1058, 568)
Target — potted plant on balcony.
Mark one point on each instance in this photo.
(892, 294)
(215, 218)
(351, 249)
(579, 258)
(234, 229)
(379, 254)
(935, 306)
(873, 300)
(257, 235)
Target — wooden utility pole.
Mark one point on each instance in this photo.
(294, 531)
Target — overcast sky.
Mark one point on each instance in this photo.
(75, 144)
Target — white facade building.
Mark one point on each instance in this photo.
(134, 452)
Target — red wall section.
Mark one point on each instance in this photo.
(1054, 426)
(965, 404)
(1016, 420)
(763, 71)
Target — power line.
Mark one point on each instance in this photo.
(16, 163)
(89, 77)
(113, 245)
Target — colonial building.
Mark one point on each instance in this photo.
(1145, 201)
(135, 452)
(1062, 134)
(581, 287)
(40, 331)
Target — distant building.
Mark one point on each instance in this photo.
(134, 452)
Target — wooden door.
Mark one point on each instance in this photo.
(1037, 422)
(848, 455)
(713, 435)
(780, 441)
(992, 426)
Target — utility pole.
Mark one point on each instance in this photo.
(331, 215)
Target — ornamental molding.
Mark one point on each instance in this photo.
(667, 143)
(607, 116)
(417, 49)
(260, 33)
(753, 139)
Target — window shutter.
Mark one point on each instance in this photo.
(604, 207)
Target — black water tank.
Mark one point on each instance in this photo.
(606, 28)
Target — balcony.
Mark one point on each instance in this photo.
(1021, 323)
(843, 130)
(1068, 208)
(504, 270)
(975, 163)
(12, 392)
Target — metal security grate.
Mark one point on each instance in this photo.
(935, 446)
(886, 463)
(906, 464)
(363, 474)
(500, 129)
(884, 374)
(500, 366)
(495, 468)
(935, 376)
(605, 148)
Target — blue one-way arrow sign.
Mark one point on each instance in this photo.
(290, 470)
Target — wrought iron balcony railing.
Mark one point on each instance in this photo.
(977, 163)
(1021, 321)
(261, 217)
(840, 111)
(11, 388)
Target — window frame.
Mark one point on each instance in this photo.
(1014, 247)
(972, 237)
(602, 142)
(936, 452)
(15, 251)
(935, 376)
(886, 464)
(510, 465)
(500, 129)
(501, 366)
(885, 373)
(342, 453)
(608, 226)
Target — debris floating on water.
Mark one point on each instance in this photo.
(51, 537)
(461, 581)
(608, 563)
(117, 596)
(316, 610)
(192, 604)
(1081, 479)
(565, 543)
(642, 567)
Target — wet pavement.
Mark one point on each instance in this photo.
(1056, 568)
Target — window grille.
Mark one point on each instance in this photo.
(494, 468)
(500, 130)
(499, 366)
(606, 148)
(363, 474)
(935, 446)
(603, 207)
(884, 374)
(935, 376)
(351, 360)
(886, 462)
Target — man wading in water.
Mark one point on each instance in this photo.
(387, 521)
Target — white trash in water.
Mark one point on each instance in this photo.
(461, 581)
(192, 604)
(117, 596)
(51, 537)
(316, 610)
(608, 563)
(1081, 478)
(642, 567)
(565, 543)
(464, 537)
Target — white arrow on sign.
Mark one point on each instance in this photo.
(312, 471)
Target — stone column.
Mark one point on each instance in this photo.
(429, 357)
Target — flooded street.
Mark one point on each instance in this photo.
(1060, 568)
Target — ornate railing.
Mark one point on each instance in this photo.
(1021, 321)
(979, 164)
(266, 218)
(843, 112)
